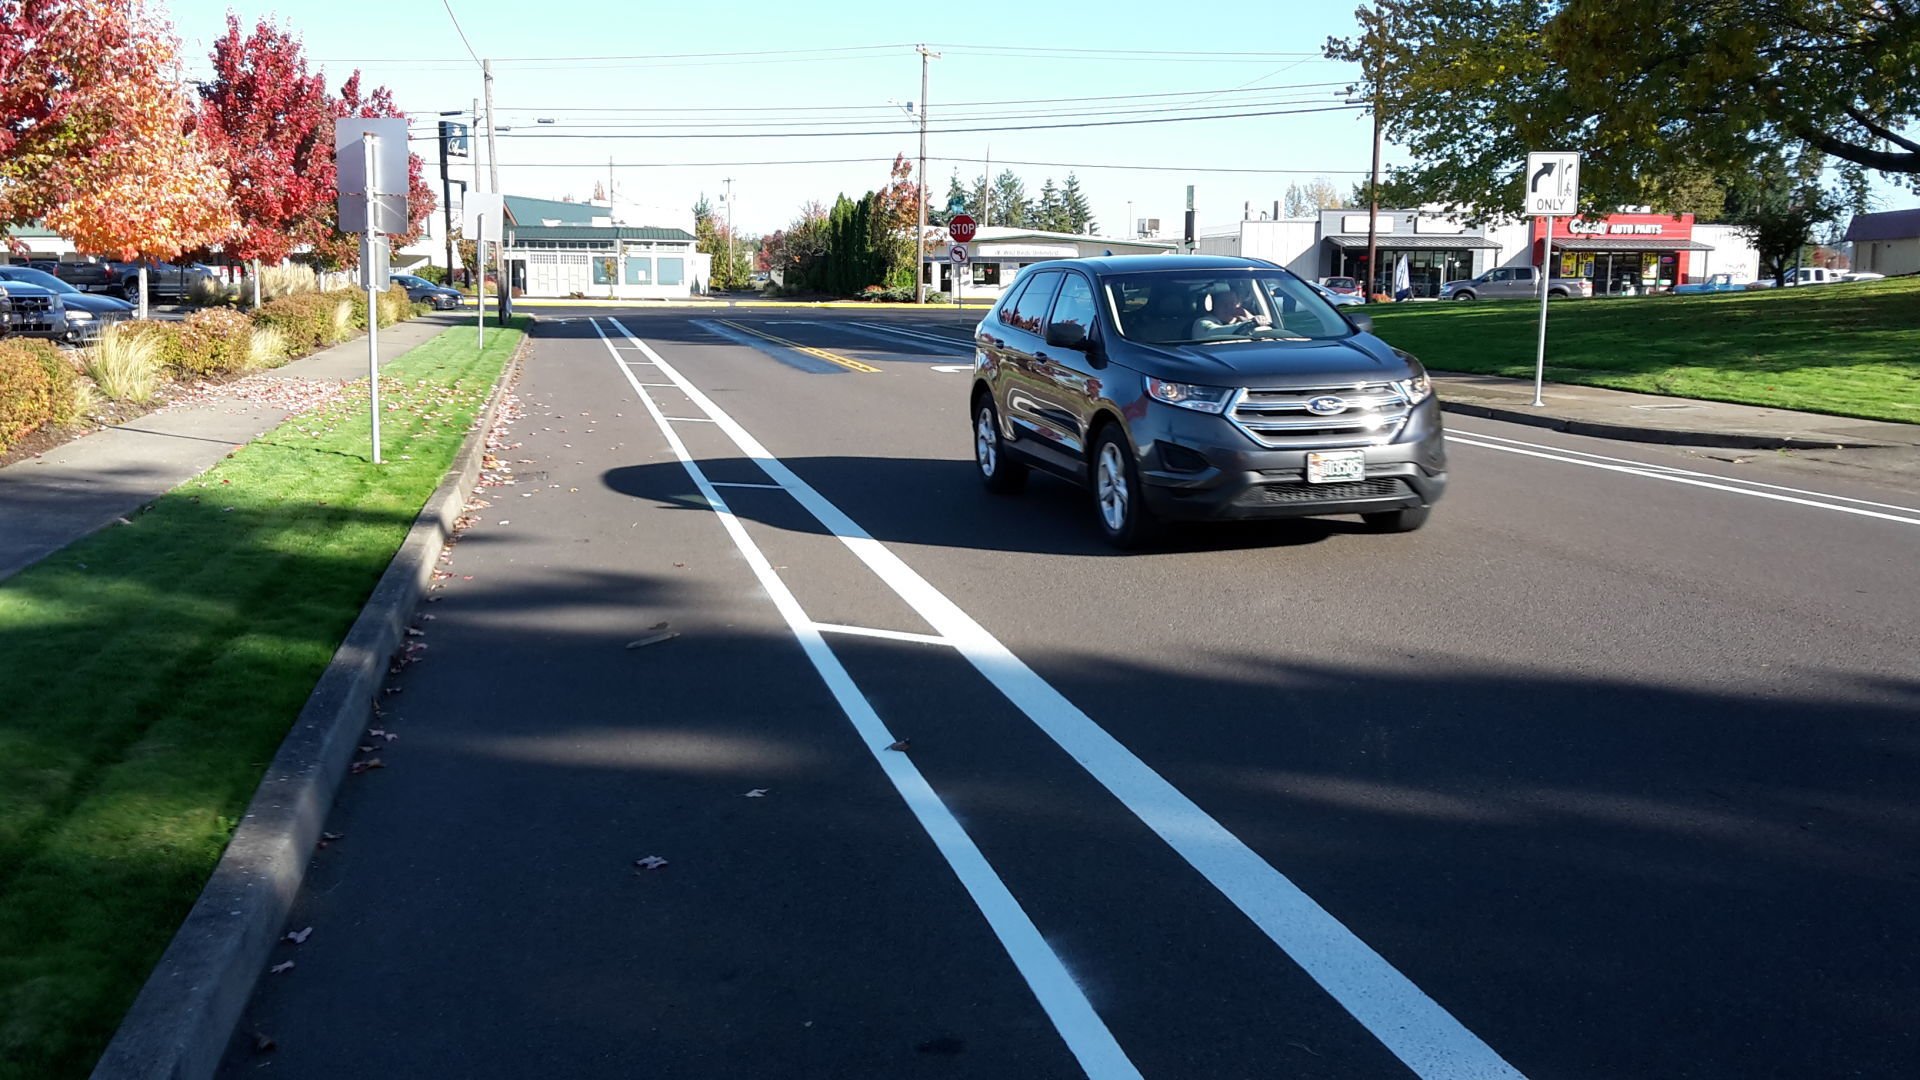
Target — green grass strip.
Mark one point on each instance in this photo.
(150, 671)
(1849, 350)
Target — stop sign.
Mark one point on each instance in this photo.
(961, 227)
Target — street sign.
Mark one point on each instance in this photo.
(1553, 183)
(482, 208)
(374, 262)
(962, 227)
(957, 255)
(454, 137)
(385, 198)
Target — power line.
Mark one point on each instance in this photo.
(1089, 165)
(1243, 89)
(535, 137)
(773, 125)
(448, 4)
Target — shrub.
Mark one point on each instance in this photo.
(212, 342)
(26, 391)
(289, 280)
(70, 395)
(309, 321)
(435, 274)
(207, 292)
(163, 339)
(342, 318)
(124, 361)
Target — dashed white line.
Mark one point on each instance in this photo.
(1411, 1025)
(734, 484)
(1065, 1004)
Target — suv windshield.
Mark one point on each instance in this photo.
(1178, 307)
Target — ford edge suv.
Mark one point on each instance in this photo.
(1182, 387)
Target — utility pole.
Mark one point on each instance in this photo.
(1373, 192)
(479, 253)
(730, 280)
(920, 234)
(503, 286)
(610, 212)
(986, 190)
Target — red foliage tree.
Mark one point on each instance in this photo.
(341, 249)
(269, 121)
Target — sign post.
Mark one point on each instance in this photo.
(370, 161)
(1553, 189)
(482, 208)
(957, 257)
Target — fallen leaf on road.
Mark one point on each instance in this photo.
(366, 749)
(414, 631)
(901, 745)
(651, 862)
(661, 625)
(263, 1043)
(282, 967)
(299, 937)
(651, 639)
(362, 766)
(756, 793)
(332, 836)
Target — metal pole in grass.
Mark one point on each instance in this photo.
(369, 267)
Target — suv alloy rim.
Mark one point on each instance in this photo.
(1110, 485)
(985, 444)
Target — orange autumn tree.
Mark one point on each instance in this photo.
(99, 146)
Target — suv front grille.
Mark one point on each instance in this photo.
(32, 314)
(1373, 415)
(1385, 487)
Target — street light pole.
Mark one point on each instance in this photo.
(502, 285)
(730, 280)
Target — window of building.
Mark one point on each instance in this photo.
(673, 272)
(986, 273)
(605, 270)
(639, 271)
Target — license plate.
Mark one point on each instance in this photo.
(1335, 466)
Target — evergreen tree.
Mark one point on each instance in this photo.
(955, 193)
(1079, 213)
(1049, 212)
(1010, 205)
(977, 202)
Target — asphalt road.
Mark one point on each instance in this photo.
(1611, 771)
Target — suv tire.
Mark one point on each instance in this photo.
(1464, 296)
(1118, 500)
(1001, 474)
(130, 290)
(1397, 521)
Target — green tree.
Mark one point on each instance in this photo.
(977, 201)
(1643, 88)
(1049, 212)
(1294, 204)
(1010, 205)
(955, 194)
(1079, 212)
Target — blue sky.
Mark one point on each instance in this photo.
(413, 49)
(1250, 58)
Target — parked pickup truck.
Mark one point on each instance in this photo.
(1514, 283)
(1715, 283)
(165, 281)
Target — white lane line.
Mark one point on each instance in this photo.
(1086, 1035)
(951, 369)
(733, 484)
(873, 632)
(1655, 474)
(1687, 472)
(688, 419)
(1411, 1025)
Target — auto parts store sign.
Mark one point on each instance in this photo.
(1645, 226)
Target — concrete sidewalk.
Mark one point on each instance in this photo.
(48, 502)
(1619, 414)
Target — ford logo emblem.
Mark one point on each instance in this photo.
(1327, 406)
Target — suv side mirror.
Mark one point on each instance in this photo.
(1067, 335)
(1362, 323)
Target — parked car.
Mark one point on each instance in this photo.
(422, 291)
(87, 313)
(36, 312)
(6, 312)
(1337, 299)
(85, 272)
(1344, 286)
(1208, 387)
(1514, 283)
(1861, 275)
(1715, 283)
(165, 281)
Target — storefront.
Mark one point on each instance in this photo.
(997, 254)
(1437, 250)
(1627, 254)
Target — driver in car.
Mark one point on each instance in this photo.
(1226, 316)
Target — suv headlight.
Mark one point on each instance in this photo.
(1206, 399)
(74, 315)
(1417, 389)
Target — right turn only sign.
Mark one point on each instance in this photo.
(1553, 183)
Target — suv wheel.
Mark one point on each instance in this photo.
(130, 290)
(1463, 296)
(1398, 521)
(1117, 495)
(1000, 473)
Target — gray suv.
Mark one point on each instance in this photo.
(1182, 387)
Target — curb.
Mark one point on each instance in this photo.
(180, 1024)
(1726, 440)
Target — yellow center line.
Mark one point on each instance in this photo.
(832, 358)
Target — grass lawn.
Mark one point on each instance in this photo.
(151, 670)
(1853, 350)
